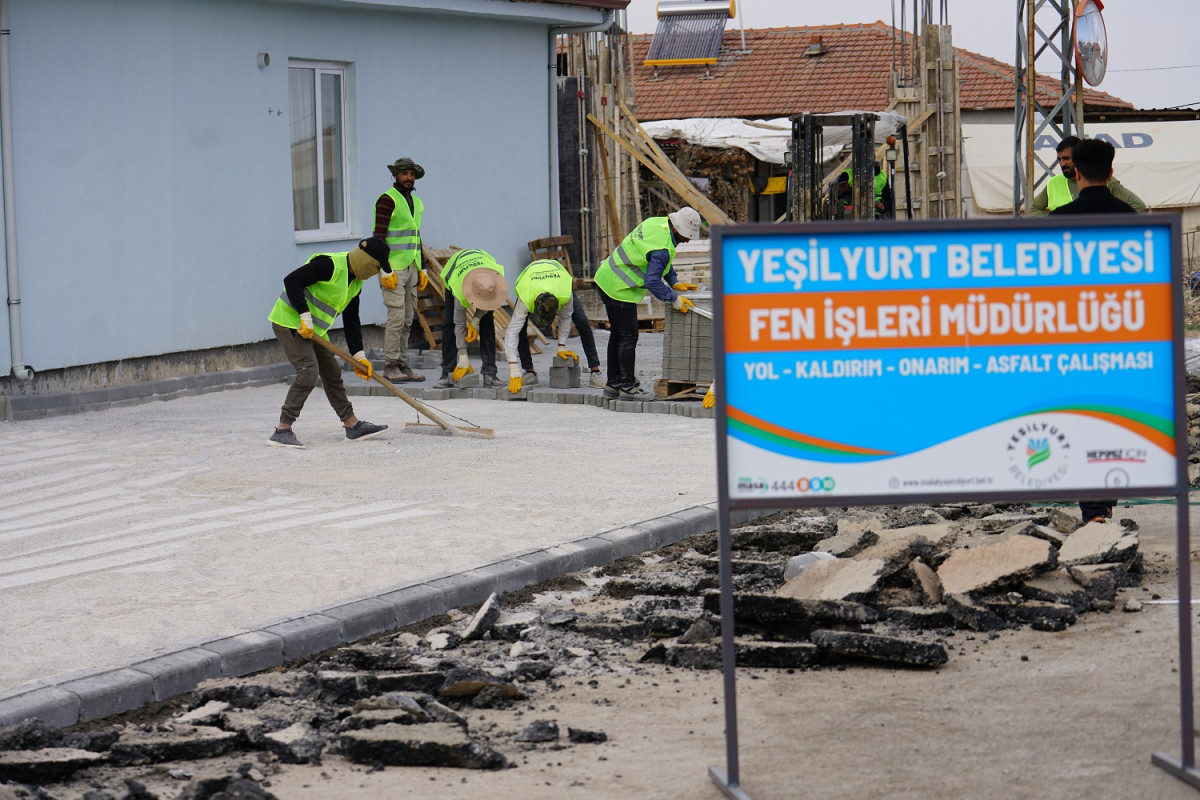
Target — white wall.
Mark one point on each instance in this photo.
(153, 180)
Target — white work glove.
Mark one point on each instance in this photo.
(463, 369)
(306, 325)
(514, 377)
(682, 304)
(362, 367)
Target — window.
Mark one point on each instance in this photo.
(317, 110)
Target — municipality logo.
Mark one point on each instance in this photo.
(1037, 454)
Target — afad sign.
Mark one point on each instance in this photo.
(1130, 141)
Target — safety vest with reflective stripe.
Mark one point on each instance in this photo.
(1058, 192)
(460, 264)
(622, 276)
(404, 231)
(326, 299)
(544, 275)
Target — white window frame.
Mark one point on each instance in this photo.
(338, 229)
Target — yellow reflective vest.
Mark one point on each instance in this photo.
(460, 264)
(404, 231)
(622, 276)
(326, 299)
(544, 275)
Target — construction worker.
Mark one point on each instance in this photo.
(398, 215)
(1092, 161)
(1063, 188)
(543, 292)
(475, 287)
(883, 193)
(639, 264)
(328, 285)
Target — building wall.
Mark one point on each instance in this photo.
(152, 157)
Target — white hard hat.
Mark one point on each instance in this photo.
(686, 222)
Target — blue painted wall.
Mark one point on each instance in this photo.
(153, 178)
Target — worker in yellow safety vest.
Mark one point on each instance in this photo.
(398, 213)
(640, 264)
(1063, 188)
(475, 288)
(543, 293)
(313, 297)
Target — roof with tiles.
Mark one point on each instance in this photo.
(774, 77)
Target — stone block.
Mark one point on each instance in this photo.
(627, 541)
(693, 520)
(179, 672)
(463, 589)
(508, 575)
(416, 602)
(51, 704)
(109, 693)
(582, 553)
(307, 635)
(364, 618)
(248, 652)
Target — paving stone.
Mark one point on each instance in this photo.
(363, 618)
(994, 564)
(836, 579)
(179, 672)
(47, 765)
(434, 744)
(307, 635)
(50, 704)
(247, 652)
(109, 693)
(877, 647)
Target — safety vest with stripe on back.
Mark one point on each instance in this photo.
(622, 276)
(544, 275)
(460, 264)
(326, 299)
(404, 231)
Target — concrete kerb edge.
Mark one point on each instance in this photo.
(105, 693)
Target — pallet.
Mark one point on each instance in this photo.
(667, 389)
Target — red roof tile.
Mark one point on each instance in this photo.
(774, 78)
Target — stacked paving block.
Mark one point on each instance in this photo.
(564, 373)
(688, 343)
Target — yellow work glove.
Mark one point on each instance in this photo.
(463, 369)
(422, 280)
(472, 333)
(682, 304)
(514, 377)
(365, 371)
(306, 325)
(685, 287)
(567, 354)
(710, 399)
(387, 280)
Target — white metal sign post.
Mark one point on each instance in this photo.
(889, 363)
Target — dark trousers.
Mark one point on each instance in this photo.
(487, 341)
(311, 361)
(586, 338)
(622, 342)
(1090, 509)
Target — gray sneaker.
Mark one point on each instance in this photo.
(611, 392)
(635, 393)
(364, 430)
(530, 378)
(596, 381)
(444, 382)
(492, 382)
(285, 438)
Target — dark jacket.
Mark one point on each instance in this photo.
(1095, 200)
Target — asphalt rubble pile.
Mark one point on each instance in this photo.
(899, 587)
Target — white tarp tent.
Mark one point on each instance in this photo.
(1157, 161)
(766, 140)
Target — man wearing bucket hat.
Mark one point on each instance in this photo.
(313, 295)
(640, 264)
(543, 293)
(398, 215)
(475, 287)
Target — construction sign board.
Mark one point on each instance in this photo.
(888, 362)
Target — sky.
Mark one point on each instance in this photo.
(1153, 61)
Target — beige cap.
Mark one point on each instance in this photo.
(686, 222)
(485, 289)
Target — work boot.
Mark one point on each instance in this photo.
(364, 430)
(409, 376)
(444, 382)
(530, 378)
(596, 381)
(635, 392)
(391, 372)
(492, 382)
(283, 437)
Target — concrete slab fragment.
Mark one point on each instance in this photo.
(994, 564)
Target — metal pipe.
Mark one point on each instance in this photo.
(610, 16)
(20, 370)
